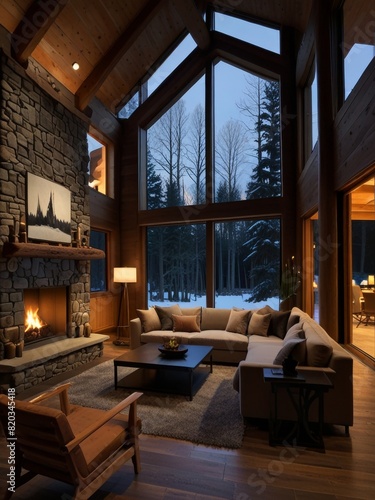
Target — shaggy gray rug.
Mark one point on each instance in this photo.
(212, 418)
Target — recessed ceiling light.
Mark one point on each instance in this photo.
(75, 66)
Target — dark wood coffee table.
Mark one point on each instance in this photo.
(162, 374)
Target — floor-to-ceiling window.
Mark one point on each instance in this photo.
(216, 148)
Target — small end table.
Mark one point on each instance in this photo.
(302, 389)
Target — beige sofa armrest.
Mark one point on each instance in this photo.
(135, 333)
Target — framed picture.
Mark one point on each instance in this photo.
(48, 211)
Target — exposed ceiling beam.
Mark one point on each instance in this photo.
(33, 26)
(193, 21)
(108, 62)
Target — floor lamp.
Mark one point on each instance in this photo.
(124, 275)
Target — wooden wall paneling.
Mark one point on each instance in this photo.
(104, 215)
(307, 186)
(132, 237)
(308, 269)
(289, 150)
(355, 130)
(104, 311)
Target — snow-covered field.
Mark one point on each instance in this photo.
(224, 301)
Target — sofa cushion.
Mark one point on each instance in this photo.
(149, 319)
(290, 348)
(165, 315)
(279, 321)
(214, 319)
(192, 311)
(295, 332)
(318, 345)
(259, 324)
(293, 320)
(238, 321)
(186, 323)
(160, 336)
(220, 339)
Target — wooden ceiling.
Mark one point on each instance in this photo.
(118, 43)
(362, 201)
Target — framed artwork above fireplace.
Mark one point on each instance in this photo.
(48, 211)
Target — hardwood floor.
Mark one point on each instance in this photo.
(174, 469)
(363, 337)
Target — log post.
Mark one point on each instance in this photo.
(327, 203)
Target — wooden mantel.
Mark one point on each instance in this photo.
(45, 251)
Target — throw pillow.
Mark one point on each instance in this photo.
(259, 324)
(149, 319)
(293, 320)
(279, 321)
(238, 321)
(288, 349)
(186, 323)
(165, 315)
(295, 332)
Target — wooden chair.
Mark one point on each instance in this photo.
(358, 302)
(74, 444)
(368, 311)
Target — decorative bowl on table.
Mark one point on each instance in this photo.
(172, 348)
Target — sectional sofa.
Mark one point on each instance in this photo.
(253, 340)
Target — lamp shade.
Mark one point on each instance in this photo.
(125, 274)
(371, 279)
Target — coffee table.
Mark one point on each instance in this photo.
(155, 372)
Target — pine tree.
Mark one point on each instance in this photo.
(265, 182)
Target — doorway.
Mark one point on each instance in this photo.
(362, 263)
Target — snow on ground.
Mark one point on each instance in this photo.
(224, 301)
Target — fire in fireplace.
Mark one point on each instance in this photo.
(46, 313)
(35, 327)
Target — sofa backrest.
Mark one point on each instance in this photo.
(318, 343)
(214, 318)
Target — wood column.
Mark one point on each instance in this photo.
(327, 204)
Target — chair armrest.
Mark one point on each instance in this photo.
(62, 391)
(108, 415)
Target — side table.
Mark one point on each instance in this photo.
(303, 389)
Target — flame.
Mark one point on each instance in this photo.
(33, 321)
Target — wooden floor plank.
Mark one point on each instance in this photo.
(173, 469)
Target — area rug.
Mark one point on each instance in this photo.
(212, 418)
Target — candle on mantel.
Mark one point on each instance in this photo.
(78, 235)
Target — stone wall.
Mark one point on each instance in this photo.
(39, 135)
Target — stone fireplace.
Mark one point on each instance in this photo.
(40, 136)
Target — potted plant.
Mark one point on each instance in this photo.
(290, 282)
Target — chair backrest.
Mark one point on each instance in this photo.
(42, 433)
(369, 304)
(357, 299)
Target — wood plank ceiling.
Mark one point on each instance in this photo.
(118, 43)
